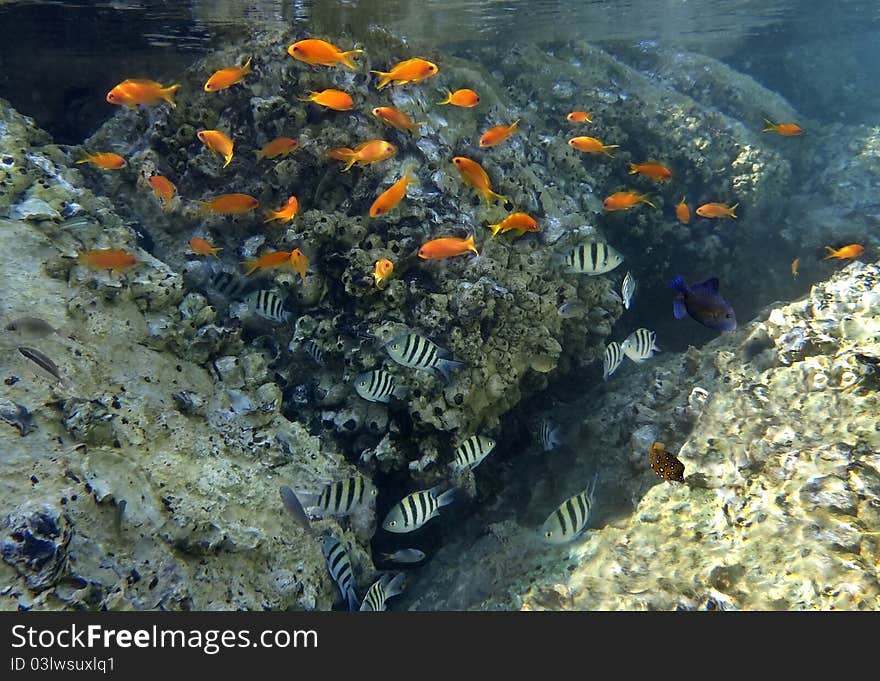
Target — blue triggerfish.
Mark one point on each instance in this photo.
(703, 303)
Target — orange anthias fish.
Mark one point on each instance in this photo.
(794, 267)
(299, 262)
(395, 118)
(286, 213)
(625, 201)
(105, 160)
(516, 222)
(389, 199)
(473, 173)
(497, 134)
(447, 247)
(280, 146)
(717, 210)
(784, 129)
(217, 142)
(321, 53)
(200, 246)
(412, 70)
(364, 153)
(579, 117)
(163, 188)
(225, 78)
(682, 212)
(230, 204)
(464, 98)
(591, 145)
(114, 259)
(269, 261)
(382, 271)
(845, 253)
(656, 171)
(332, 99)
(135, 91)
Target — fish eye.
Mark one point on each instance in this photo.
(296, 49)
(548, 534)
(362, 384)
(393, 523)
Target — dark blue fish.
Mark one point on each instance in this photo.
(703, 303)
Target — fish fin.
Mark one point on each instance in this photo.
(607, 147)
(502, 197)
(309, 98)
(632, 169)
(354, 603)
(446, 498)
(644, 199)
(495, 228)
(678, 284)
(399, 392)
(252, 266)
(678, 308)
(168, 94)
(771, 126)
(447, 100)
(396, 586)
(346, 58)
(350, 163)
(710, 285)
(515, 125)
(471, 246)
(85, 160)
(384, 79)
(732, 208)
(247, 66)
(831, 252)
(591, 489)
(228, 160)
(447, 366)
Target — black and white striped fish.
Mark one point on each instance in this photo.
(613, 358)
(386, 587)
(343, 496)
(268, 305)
(640, 345)
(551, 435)
(415, 509)
(227, 285)
(377, 386)
(313, 350)
(571, 518)
(339, 567)
(592, 257)
(471, 452)
(628, 288)
(417, 352)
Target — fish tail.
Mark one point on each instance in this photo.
(771, 126)
(831, 253)
(204, 207)
(731, 209)
(501, 197)
(515, 125)
(606, 147)
(168, 94)
(447, 100)
(351, 161)
(384, 79)
(469, 242)
(270, 215)
(228, 160)
(247, 66)
(678, 284)
(85, 160)
(644, 199)
(252, 266)
(346, 58)
(495, 228)
(447, 366)
(311, 96)
(395, 586)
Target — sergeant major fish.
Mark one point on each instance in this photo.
(593, 258)
(415, 509)
(339, 567)
(569, 520)
(628, 288)
(471, 452)
(383, 589)
(640, 345)
(613, 358)
(377, 386)
(417, 352)
(342, 497)
(268, 305)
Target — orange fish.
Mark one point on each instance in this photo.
(682, 212)
(382, 271)
(230, 204)
(412, 70)
(389, 199)
(225, 78)
(280, 146)
(200, 246)
(136, 91)
(105, 160)
(473, 173)
(845, 253)
(497, 134)
(466, 99)
(784, 129)
(299, 262)
(364, 153)
(332, 99)
(395, 118)
(447, 247)
(163, 188)
(794, 267)
(286, 213)
(656, 171)
(579, 117)
(625, 201)
(114, 259)
(217, 142)
(591, 145)
(269, 261)
(717, 210)
(321, 53)
(516, 222)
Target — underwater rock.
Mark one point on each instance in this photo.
(35, 543)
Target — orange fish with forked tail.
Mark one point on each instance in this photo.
(519, 223)
(784, 129)
(114, 259)
(625, 201)
(656, 171)
(332, 99)
(105, 160)
(682, 212)
(464, 98)
(447, 247)
(230, 204)
(591, 145)
(412, 70)
(364, 154)
(280, 146)
(137, 91)
(474, 175)
(163, 188)
(497, 134)
(269, 261)
(579, 117)
(218, 142)
(201, 246)
(286, 213)
(382, 271)
(389, 199)
(845, 253)
(395, 118)
(225, 78)
(717, 210)
(321, 53)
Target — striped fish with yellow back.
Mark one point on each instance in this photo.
(570, 519)
(471, 452)
(268, 305)
(386, 587)
(417, 352)
(592, 257)
(339, 567)
(344, 496)
(378, 386)
(415, 509)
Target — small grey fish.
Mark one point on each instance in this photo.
(386, 587)
(415, 509)
(32, 327)
(377, 386)
(314, 351)
(291, 503)
(268, 305)
(40, 360)
(339, 567)
(628, 288)
(341, 497)
(16, 415)
(593, 258)
(551, 437)
(405, 556)
(613, 358)
(571, 310)
(640, 345)
(471, 452)
(417, 352)
(227, 284)
(571, 518)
